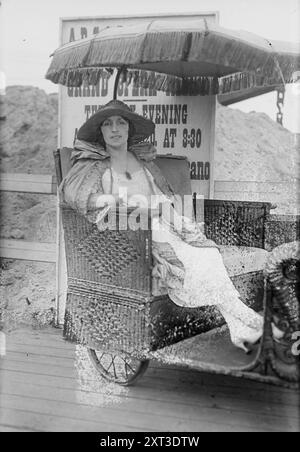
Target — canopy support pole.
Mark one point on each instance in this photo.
(120, 70)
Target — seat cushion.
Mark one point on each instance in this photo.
(240, 260)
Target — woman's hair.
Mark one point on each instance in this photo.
(131, 133)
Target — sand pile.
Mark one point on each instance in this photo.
(29, 132)
(249, 147)
(28, 138)
(252, 147)
(27, 294)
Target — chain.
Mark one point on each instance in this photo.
(280, 103)
(280, 90)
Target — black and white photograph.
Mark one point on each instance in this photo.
(149, 228)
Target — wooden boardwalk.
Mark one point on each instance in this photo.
(47, 384)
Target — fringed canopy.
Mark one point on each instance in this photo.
(188, 57)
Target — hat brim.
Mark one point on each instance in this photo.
(90, 130)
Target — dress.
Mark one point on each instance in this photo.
(198, 276)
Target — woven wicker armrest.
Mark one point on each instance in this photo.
(282, 229)
(239, 223)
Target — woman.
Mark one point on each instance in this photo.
(109, 162)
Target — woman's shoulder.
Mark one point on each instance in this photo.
(146, 155)
(87, 164)
(87, 171)
(145, 152)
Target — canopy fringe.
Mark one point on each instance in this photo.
(154, 47)
(77, 62)
(245, 80)
(67, 58)
(193, 86)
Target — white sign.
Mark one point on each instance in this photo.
(184, 125)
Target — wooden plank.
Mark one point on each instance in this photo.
(28, 183)
(101, 415)
(198, 420)
(47, 341)
(27, 358)
(24, 250)
(36, 369)
(160, 383)
(166, 380)
(8, 429)
(53, 345)
(190, 381)
(235, 411)
(49, 423)
(250, 186)
(248, 196)
(203, 406)
(44, 350)
(58, 424)
(49, 333)
(168, 389)
(147, 391)
(198, 410)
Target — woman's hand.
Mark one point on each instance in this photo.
(97, 201)
(105, 200)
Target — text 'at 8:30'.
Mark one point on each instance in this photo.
(192, 138)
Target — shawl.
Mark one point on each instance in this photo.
(89, 163)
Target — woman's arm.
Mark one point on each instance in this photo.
(82, 181)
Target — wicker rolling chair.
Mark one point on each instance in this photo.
(111, 306)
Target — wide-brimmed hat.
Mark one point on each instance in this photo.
(90, 130)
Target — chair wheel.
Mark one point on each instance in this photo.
(118, 368)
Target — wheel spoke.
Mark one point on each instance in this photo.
(124, 365)
(113, 361)
(101, 356)
(104, 362)
(126, 369)
(110, 365)
(99, 360)
(121, 369)
(128, 365)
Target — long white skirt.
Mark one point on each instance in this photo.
(204, 281)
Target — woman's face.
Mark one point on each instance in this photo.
(115, 131)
